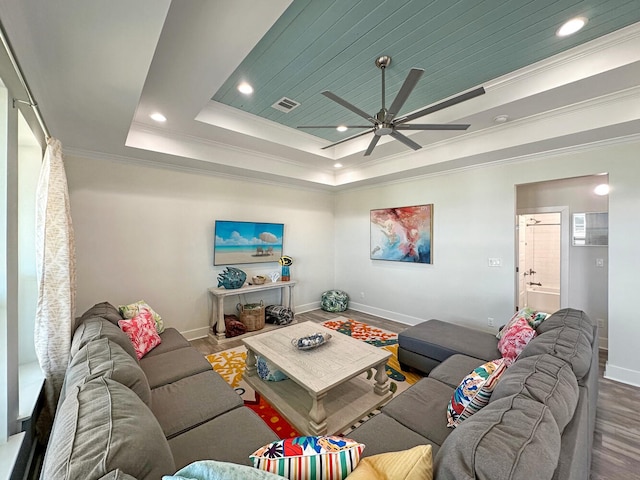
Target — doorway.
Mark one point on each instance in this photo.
(541, 254)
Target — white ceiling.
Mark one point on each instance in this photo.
(98, 69)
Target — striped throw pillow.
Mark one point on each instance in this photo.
(313, 458)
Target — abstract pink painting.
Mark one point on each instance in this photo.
(402, 234)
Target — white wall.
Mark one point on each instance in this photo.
(147, 233)
(474, 220)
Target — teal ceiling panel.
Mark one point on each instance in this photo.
(332, 44)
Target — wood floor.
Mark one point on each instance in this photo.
(616, 446)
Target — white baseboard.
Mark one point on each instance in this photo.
(379, 312)
(620, 374)
(307, 307)
(195, 333)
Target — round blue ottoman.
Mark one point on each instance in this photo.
(334, 301)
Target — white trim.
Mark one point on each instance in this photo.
(196, 333)
(387, 314)
(9, 454)
(307, 307)
(620, 374)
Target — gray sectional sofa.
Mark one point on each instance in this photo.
(538, 424)
(122, 418)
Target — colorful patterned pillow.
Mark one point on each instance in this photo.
(141, 330)
(515, 339)
(412, 464)
(305, 457)
(537, 318)
(268, 371)
(525, 312)
(131, 310)
(474, 391)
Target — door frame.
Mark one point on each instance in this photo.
(565, 233)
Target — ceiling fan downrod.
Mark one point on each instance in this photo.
(383, 62)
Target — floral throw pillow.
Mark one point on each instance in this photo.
(141, 330)
(515, 339)
(131, 310)
(305, 457)
(474, 391)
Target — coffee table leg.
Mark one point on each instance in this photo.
(382, 380)
(250, 369)
(318, 416)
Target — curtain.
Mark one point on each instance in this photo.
(56, 275)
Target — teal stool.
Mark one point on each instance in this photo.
(334, 301)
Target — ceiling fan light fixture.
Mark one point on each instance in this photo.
(342, 128)
(571, 26)
(245, 88)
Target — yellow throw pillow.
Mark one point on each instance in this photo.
(412, 464)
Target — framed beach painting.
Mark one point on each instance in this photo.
(247, 242)
(402, 234)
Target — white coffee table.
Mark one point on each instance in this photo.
(325, 392)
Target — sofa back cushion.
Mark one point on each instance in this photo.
(568, 318)
(545, 379)
(567, 343)
(512, 438)
(104, 310)
(103, 426)
(98, 327)
(103, 358)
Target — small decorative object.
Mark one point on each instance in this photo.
(402, 234)
(311, 341)
(334, 301)
(258, 279)
(274, 276)
(286, 262)
(231, 278)
(252, 315)
(267, 371)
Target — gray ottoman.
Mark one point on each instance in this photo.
(426, 345)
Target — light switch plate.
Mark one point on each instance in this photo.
(599, 262)
(495, 262)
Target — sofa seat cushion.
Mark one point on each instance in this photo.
(439, 340)
(376, 433)
(97, 327)
(173, 366)
(566, 343)
(512, 438)
(454, 369)
(230, 437)
(172, 339)
(423, 409)
(545, 379)
(103, 358)
(193, 400)
(103, 426)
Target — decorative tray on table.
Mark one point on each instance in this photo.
(311, 341)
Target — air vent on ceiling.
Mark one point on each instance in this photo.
(285, 105)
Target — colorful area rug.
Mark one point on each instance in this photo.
(230, 364)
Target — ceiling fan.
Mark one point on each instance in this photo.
(385, 121)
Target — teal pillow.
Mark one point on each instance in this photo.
(213, 470)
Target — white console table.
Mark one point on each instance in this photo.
(219, 294)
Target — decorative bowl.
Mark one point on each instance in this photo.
(258, 279)
(311, 341)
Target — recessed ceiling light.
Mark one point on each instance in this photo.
(245, 88)
(158, 117)
(341, 128)
(337, 165)
(572, 26)
(501, 118)
(602, 189)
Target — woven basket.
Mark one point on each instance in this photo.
(251, 315)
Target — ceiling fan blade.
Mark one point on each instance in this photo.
(406, 140)
(372, 145)
(447, 103)
(334, 126)
(406, 89)
(349, 138)
(432, 126)
(349, 106)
